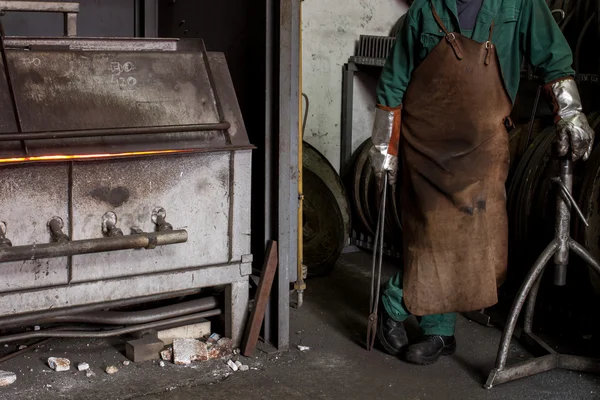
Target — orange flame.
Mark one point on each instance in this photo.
(86, 156)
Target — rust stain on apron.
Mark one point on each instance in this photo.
(455, 154)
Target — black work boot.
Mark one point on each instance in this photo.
(390, 333)
(430, 349)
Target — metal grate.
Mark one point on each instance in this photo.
(373, 50)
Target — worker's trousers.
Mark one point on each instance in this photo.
(436, 324)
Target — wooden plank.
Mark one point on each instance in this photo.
(260, 302)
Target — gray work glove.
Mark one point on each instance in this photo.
(572, 127)
(385, 137)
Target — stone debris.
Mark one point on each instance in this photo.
(303, 348)
(187, 350)
(239, 364)
(83, 366)
(59, 364)
(22, 347)
(126, 362)
(167, 354)
(244, 368)
(222, 348)
(214, 338)
(7, 378)
(232, 365)
(111, 369)
(89, 373)
(162, 364)
(36, 328)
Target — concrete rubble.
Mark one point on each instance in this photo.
(111, 369)
(186, 351)
(83, 366)
(89, 373)
(59, 364)
(167, 354)
(126, 362)
(7, 378)
(232, 365)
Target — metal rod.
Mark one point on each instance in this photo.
(25, 350)
(151, 130)
(31, 318)
(87, 246)
(567, 193)
(40, 6)
(113, 332)
(533, 114)
(563, 222)
(533, 275)
(585, 255)
(530, 309)
(139, 317)
(11, 89)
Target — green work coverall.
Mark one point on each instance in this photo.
(522, 28)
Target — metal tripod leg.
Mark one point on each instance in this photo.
(500, 374)
(559, 249)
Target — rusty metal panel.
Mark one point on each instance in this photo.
(193, 189)
(111, 89)
(23, 191)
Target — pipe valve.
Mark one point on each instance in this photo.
(159, 216)
(55, 225)
(109, 225)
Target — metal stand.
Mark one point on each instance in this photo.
(559, 249)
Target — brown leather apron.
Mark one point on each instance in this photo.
(455, 154)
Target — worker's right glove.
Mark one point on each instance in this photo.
(572, 127)
(386, 138)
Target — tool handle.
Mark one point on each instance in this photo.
(68, 8)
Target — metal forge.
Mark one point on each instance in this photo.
(125, 177)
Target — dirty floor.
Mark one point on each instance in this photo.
(332, 324)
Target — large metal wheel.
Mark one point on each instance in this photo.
(323, 226)
(327, 213)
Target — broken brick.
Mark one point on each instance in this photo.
(59, 364)
(7, 378)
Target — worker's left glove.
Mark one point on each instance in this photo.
(572, 127)
(385, 137)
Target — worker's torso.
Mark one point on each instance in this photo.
(503, 13)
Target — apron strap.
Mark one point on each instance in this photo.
(450, 37)
(489, 45)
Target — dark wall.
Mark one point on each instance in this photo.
(234, 27)
(238, 29)
(96, 18)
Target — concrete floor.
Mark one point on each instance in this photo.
(332, 323)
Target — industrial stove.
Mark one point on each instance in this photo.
(125, 177)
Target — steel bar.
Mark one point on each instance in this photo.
(585, 255)
(260, 303)
(567, 193)
(563, 222)
(87, 246)
(521, 370)
(113, 332)
(33, 318)
(40, 6)
(25, 350)
(581, 364)
(151, 130)
(139, 317)
(530, 308)
(533, 275)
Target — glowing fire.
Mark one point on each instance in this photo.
(86, 156)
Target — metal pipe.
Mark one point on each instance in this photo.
(31, 318)
(87, 246)
(563, 223)
(40, 6)
(113, 332)
(150, 130)
(139, 317)
(530, 308)
(532, 277)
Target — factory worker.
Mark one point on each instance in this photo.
(443, 102)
